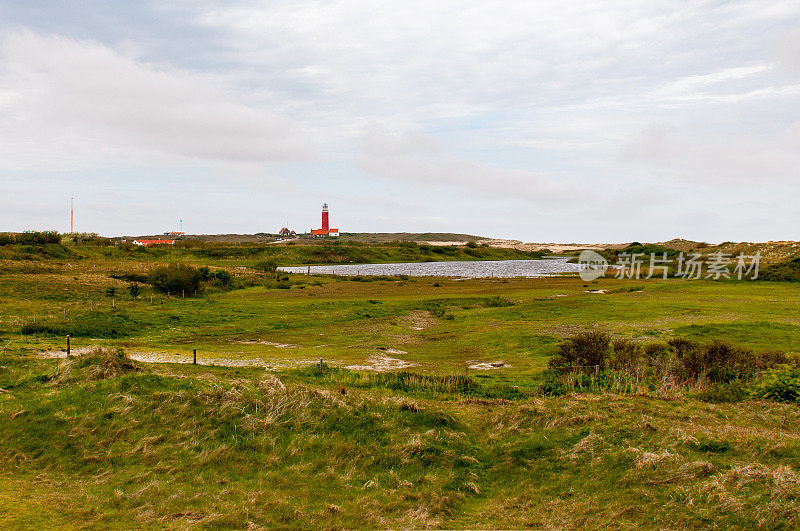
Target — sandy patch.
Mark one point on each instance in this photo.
(440, 244)
(267, 343)
(418, 320)
(380, 363)
(553, 247)
(393, 351)
(488, 366)
(597, 291)
(163, 357)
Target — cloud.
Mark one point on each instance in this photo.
(416, 159)
(690, 153)
(87, 90)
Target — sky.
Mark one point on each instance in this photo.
(570, 121)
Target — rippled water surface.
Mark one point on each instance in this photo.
(482, 268)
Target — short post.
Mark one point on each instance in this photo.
(194, 356)
(596, 369)
(113, 303)
(151, 299)
(320, 366)
(91, 305)
(309, 270)
(68, 347)
(65, 312)
(183, 294)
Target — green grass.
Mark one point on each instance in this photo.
(171, 446)
(91, 442)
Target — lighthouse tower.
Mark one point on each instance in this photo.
(326, 231)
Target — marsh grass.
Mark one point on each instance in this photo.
(186, 446)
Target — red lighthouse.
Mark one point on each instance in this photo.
(326, 230)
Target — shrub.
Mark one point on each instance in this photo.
(175, 278)
(221, 277)
(588, 349)
(266, 266)
(134, 290)
(788, 271)
(6, 238)
(37, 237)
(626, 355)
(111, 291)
(780, 383)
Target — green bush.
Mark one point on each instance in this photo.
(788, 271)
(6, 238)
(266, 266)
(780, 383)
(37, 237)
(175, 278)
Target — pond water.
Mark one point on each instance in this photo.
(471, 269)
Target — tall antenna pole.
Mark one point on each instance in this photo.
(181, 225)
(71, 213)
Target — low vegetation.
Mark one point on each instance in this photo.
(99, 439)
(479, 403)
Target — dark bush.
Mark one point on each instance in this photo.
(588, 349)
(6, 238)
(626, 355)
(134, 290)
(221, 277)
(266, 266)
(37, 237)
(788, 271)
(175, 278)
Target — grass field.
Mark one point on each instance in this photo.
(101, 441)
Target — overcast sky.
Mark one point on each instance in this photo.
(541, 121)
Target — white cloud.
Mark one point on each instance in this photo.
(689, 154)
(415, 159)
(83, 93)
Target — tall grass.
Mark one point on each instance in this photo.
(714, 371)
(447, 386)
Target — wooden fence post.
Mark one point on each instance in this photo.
(320, 366)
(194, 356)
(68, 346)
